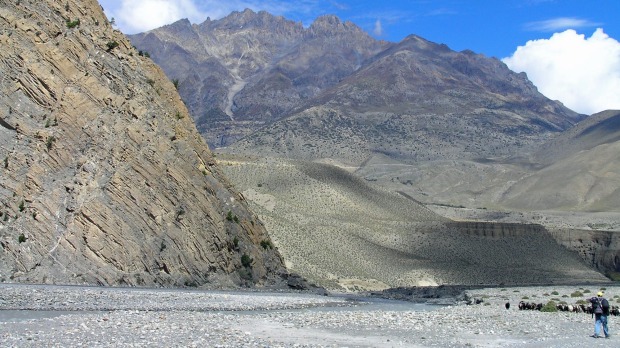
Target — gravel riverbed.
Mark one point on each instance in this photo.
(68, 316)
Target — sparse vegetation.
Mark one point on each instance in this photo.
(246, 261)
(175, 82)
(111, 45)
(232, 217)
(144, 54)
(49, 143)
(266, 244)
(179, 115)
(22, 206)
(162, 246)
(576, 294)
(6, 162)
(236, 242)
(555, 293)
(73, 24)
(150, 82)
(21, 238)
(549, 307)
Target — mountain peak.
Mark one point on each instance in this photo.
(330, 25)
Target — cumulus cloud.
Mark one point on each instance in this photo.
(583, 73)
(133, 16)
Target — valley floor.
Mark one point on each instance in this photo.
(36, 316)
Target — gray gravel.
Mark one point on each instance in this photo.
(55, 316)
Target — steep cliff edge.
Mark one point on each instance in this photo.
(105, 179)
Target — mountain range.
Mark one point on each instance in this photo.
(446, 127)
(455, 131)
(334, 152)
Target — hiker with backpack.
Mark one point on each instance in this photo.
(600, 311)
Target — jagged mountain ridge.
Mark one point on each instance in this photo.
(249, 69)
(417, 101)
(105, 179)
(381, 92)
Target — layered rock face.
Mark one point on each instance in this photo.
(105, 179)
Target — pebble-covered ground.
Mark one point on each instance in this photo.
(54, 316)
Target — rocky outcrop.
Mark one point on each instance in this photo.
(105, 179)
(600, 249)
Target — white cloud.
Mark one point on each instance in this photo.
(557, 24)
(134, 16)
(378, 30)
(583, 73)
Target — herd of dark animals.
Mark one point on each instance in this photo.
(562, 307)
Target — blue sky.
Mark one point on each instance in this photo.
(494, 28)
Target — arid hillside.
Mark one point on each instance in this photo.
(105, 179)
(343, 232)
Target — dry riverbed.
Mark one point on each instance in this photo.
(56, 316)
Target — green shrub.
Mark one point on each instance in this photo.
(246, 261)
(266, 244)
(111, 45)
(73, 24)
(549, 307)
(49, 143)
(576, 294)
(21, 238)
(236, 242)
(525, 298)
(22, 206)
(555, 293)
(586, 291)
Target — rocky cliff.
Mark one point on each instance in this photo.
(105, 179)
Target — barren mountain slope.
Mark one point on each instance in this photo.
(417, 101)
(248, 69)
(575, 171)
(582, 170)
(343, 233)
(105, 179)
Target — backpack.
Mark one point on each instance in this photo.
(599, 307)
